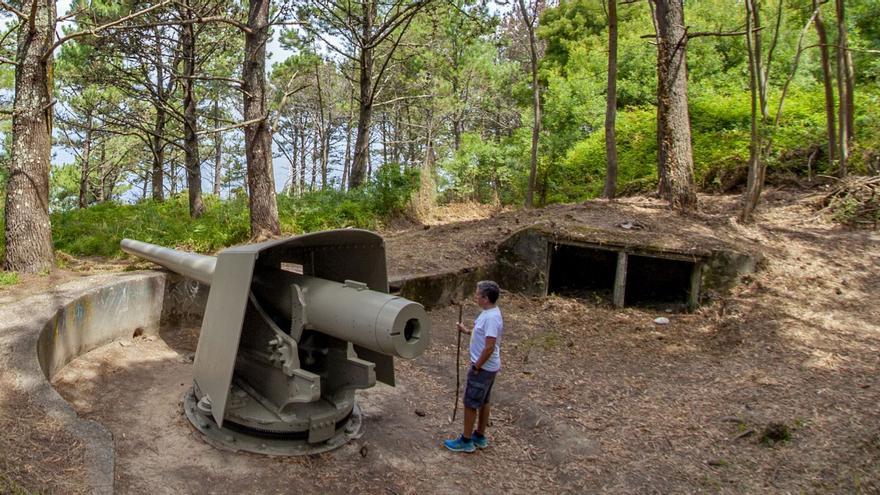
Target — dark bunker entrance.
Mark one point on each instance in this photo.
(663, 282)
(577, 271)
(621, 278)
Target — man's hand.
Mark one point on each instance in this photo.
(461, 328)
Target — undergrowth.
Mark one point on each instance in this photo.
(8, 278)
(97, 230)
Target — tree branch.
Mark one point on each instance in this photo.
(400, 98)
(21, 15)
(794, 66)
(231, 127)
(96, 30)
(32, 18)
(699, 34)
(71, 15)
(388, 58)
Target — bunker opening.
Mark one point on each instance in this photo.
(578, 271)
(652, 281)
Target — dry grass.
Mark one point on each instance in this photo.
(37, 455)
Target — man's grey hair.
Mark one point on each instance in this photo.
(489, 289)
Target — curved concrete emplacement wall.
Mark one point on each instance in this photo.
(97, 317)
(41, 334)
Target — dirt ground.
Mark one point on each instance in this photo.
(591, 399)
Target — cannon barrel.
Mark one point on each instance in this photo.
(195, 266)
(348, 311)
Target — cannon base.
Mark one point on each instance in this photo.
(235, 437)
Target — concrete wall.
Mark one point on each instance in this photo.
(443, 289)
(99, 316)
(523, 261)
(41, 334)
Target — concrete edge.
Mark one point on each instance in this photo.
(40, 334)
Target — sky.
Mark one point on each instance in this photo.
(281, 167)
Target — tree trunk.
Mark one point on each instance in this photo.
(755, 176)
(365, 113)
(456, 114)
(536, 101)
(384, 137)
(830, 127)
(193, 164)
(218, 149)
(322, 128)
(83, 199)
(28, 230)
(302, 154)
(757, 52)
(850, 98)
(257, 138)
(346, 167)
(611, 105)
(158, 173)
(172, 172)
(842, 98)
(104, 192)
(315, 160)
(426, 194)
(325, 148)
(674, 125)
(662, 180)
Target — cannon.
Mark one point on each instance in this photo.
(292, 327)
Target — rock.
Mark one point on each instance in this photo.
(420, 413)
(661, 320)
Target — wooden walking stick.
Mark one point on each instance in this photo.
(457, 366)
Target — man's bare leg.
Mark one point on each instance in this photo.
(484, 419)
(470, 417)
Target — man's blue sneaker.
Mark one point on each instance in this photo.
(460, 445)
(480, 441)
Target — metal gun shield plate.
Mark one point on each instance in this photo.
(336, 255)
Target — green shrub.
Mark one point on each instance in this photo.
(9, 278)
(97, 230)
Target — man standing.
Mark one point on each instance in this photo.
(485, 350)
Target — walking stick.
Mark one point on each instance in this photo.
(457, 366)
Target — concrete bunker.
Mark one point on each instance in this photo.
(622, 278)
(626, 269)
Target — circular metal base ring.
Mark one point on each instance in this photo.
(228, 439)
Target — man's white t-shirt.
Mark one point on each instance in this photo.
(487, 324)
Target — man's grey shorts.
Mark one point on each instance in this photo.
(479, 388)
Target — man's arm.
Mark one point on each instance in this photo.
(487, 352)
